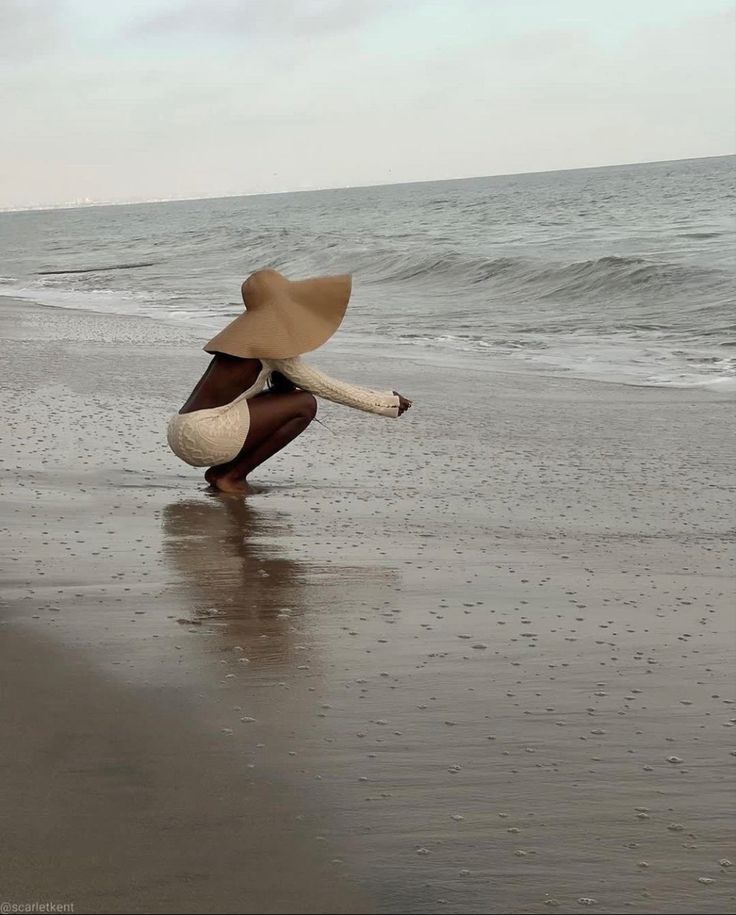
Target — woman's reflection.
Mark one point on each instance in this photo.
(225, 556)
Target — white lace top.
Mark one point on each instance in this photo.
(310, 379)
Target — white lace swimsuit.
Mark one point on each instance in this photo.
(204, 438)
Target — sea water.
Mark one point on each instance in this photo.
(624, 274)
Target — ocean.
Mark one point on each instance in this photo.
(624, 274)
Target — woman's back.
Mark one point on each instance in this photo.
(225, 379)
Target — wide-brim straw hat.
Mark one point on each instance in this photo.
(284, 318)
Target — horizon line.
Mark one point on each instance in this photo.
(344, 187)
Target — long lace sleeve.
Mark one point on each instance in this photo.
(310, 379)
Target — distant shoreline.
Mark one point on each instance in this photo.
(77, 205)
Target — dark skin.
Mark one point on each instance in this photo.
(277, 416)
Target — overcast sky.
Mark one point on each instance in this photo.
(144, 99)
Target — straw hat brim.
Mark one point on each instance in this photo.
(284, 318)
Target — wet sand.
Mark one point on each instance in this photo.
(476, 660)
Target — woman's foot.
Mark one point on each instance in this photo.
(223, 483)
(275, 420)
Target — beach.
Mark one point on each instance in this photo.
(478, 659)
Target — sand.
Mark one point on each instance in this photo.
(476, 660)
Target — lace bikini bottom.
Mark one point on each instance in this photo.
(204, 438)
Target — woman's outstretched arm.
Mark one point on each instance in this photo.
(304, 376)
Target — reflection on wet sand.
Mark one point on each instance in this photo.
(502, 685)
(235, 579)
(229, 559)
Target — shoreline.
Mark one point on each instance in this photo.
(317, 190)
(342, 347)
(483, 635)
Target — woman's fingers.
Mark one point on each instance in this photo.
(404, 403)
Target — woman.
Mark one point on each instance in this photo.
(257, 395)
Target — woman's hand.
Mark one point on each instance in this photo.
(404, 404)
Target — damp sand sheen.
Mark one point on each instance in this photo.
(484, 666)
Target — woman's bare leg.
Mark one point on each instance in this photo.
(275, 420)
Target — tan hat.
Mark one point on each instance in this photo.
(284, 318)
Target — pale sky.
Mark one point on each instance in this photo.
(145, 99)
